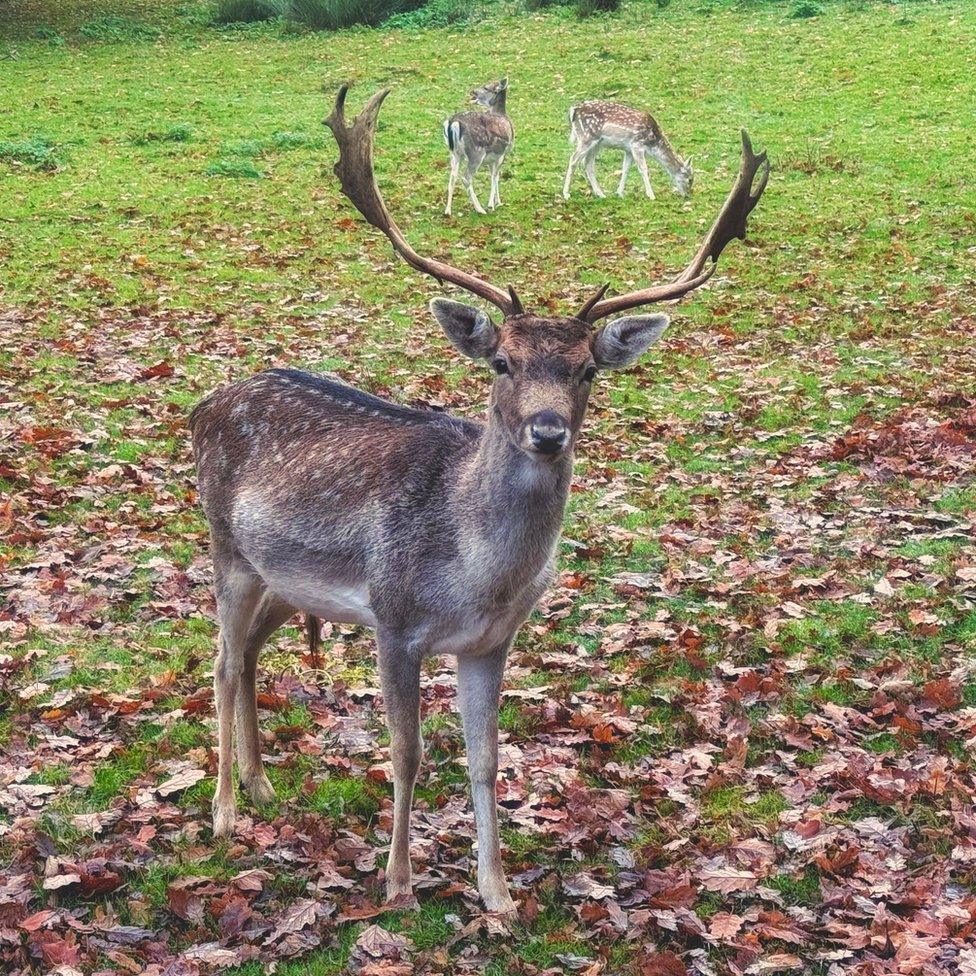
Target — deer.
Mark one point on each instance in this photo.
(475, 137)
(597, 125)
(437, 532)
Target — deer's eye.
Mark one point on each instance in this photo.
(589, 374)
(500, 365)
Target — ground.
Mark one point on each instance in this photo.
(739, 732)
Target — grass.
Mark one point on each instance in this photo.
(179, 209)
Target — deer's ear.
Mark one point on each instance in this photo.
(503, 84)
(467, 327)
(622, 341)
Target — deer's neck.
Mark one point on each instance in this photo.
(661, 150)
(514, 507)
(499, 103)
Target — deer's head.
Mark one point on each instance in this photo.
(490, 95)
(544, 365)
(683, 178)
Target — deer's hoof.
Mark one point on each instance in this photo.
(399, 889)
(224, 818)
(259, 789)
(502, 905)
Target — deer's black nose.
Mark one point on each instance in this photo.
(548, 432)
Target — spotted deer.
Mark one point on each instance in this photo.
(595, 126)
(476, 137)
(437, 532)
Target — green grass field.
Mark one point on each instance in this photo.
(738, 733)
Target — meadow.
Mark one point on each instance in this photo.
(739, 733)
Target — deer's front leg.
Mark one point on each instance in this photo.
(400, 680)
(479, 684)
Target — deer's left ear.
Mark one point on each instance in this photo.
(623, 341)
(503, 84)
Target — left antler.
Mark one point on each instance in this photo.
(355, 172)
(730, 223)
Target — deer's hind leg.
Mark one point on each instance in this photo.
(474, 164)
(399, 662)
(574, 160)
(590, 167)
(452, 182)
(238, 591)
(269, 614)
(494, 198)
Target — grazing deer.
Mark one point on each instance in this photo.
(594, 126)
(476, 137)
(438, 532)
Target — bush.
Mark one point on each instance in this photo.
(246, 11)
(180, 132)
(38, 153)
(589, 8)
(237, 169)
(806, 8)
(334, 15)
(436, 13)
(533, 5)
(114, 29)
(296, 140)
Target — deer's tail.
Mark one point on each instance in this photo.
(572, 125)
(313, 636)
(452, 133)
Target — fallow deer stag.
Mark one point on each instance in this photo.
(595, 126)
(436, 531)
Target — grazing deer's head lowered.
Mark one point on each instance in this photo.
(437, 532)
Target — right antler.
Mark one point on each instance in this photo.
(355, 172)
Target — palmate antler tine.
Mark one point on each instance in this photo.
(358, 181)
(729, 224)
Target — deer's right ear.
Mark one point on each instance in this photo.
(467, 327)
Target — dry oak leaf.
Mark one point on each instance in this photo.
(585, 886)
(378, 943)
(725, 925)
(662, 964)
(727, 879)
(943, 693)
(183, 780)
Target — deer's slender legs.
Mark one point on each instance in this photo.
(474, 164)
(624, 170)
(400, 681)
(451, 181)
(495, 200)
(574, 161)
(269, 615)
(641, 163)
(238, 591)
(590, 166)
(479, 684)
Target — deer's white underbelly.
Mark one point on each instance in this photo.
(342, 603)
(613, 137)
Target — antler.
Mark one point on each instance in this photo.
(355, 172)
(730, 223)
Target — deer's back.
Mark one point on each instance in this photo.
(313, 449)
(490, 131)
(596, 118)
